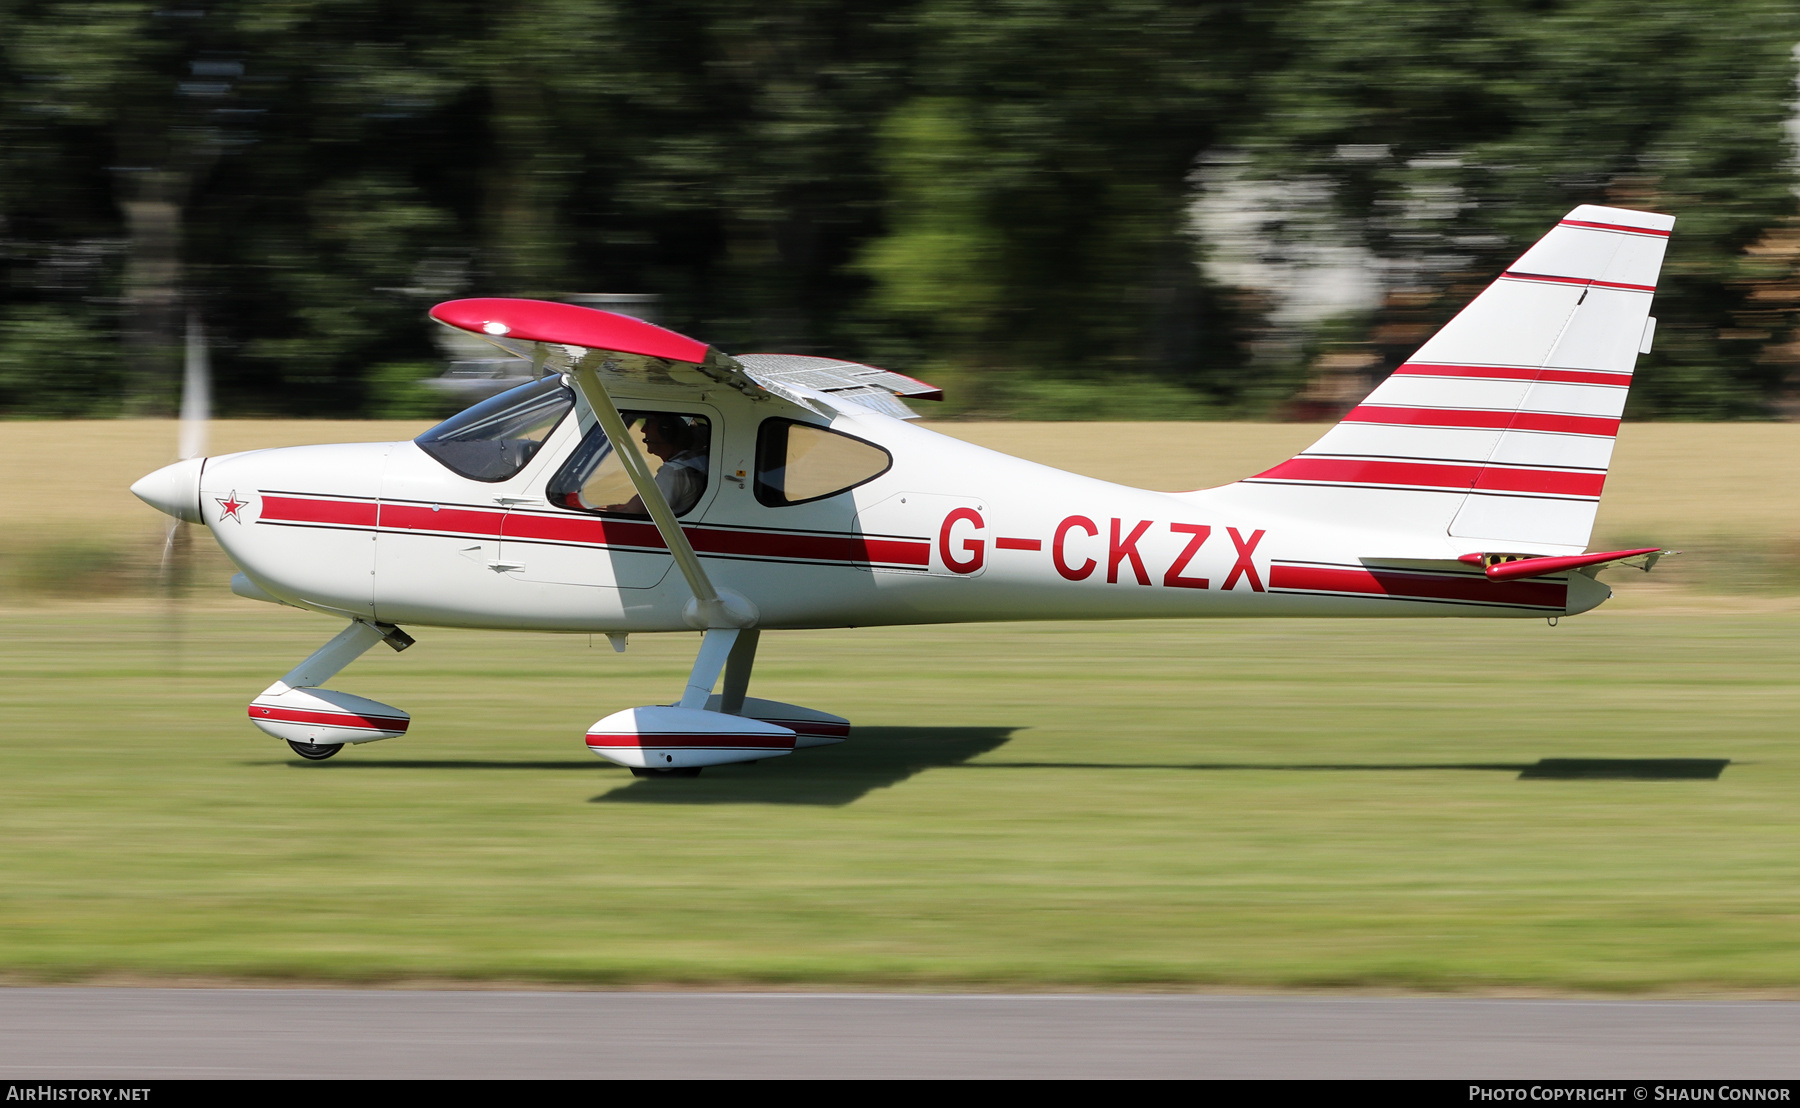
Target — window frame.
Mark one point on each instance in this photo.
(760, 490)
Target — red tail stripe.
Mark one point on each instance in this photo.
(1553, 279)
(1614, 227)
(687, 741)
(1516, 373)
(332, 719)
(293, 509)
(1362, 471)
(1417, 586)
(1469, 417)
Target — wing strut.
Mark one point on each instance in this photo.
(713, 611)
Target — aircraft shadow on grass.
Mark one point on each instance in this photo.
(881, 757)
(339, 764)
(1544, 769)
(873, 758)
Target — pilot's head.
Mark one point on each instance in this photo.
(667, 435)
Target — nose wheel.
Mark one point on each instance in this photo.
(684, 771)
(316, 723)
(315, 752)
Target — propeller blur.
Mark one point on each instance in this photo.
(643, 481)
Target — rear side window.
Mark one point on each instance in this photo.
(798, 462)
(493, 440)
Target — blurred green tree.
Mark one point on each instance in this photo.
(1036, 185)
(133, 85)
(1451, 133)
(995, 190)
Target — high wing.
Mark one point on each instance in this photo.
(622, 350)
(603, 353)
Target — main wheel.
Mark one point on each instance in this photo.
(315, 752)
(686, 771)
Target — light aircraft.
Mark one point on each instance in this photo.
(643, 481)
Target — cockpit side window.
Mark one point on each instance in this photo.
(676, 445)
(493, 440)
(799, 462)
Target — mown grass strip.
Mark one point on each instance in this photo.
(1223, 804)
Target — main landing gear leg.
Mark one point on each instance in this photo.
(715, 650)
(708, 729)
(678, 740)
(718, 649)
(737, 672)
(810, 726)
(317, 723)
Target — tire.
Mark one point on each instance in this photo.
(689, 771)
(315, 752)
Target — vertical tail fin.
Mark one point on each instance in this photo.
(1498, 432)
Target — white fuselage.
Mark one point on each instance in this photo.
(951, 532)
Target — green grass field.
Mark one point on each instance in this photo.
(1229, 804)
(1226, 804)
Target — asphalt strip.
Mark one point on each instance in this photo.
(112, 1033)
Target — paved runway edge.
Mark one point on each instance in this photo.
(155, 1033)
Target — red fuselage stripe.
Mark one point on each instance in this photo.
(824, 548)
(1362, 471)
(594, 531)
(1418, 586)
(1467, 417)
(1516, 373)
(682, 741)
(752, 544)
(461, 521)
(331, 719)
(342, 513)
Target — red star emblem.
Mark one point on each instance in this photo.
(231, 505)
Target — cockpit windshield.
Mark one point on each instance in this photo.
(493, 440)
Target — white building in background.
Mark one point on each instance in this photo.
(1283, 239)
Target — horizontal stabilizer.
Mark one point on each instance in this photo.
(1512, 567)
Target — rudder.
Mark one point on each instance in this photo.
(1498, 432)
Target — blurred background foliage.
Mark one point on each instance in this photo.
(1057, 210)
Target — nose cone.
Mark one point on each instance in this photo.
(173, 490)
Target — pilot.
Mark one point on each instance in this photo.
(682, 476)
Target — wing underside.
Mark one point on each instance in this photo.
(837, 381)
